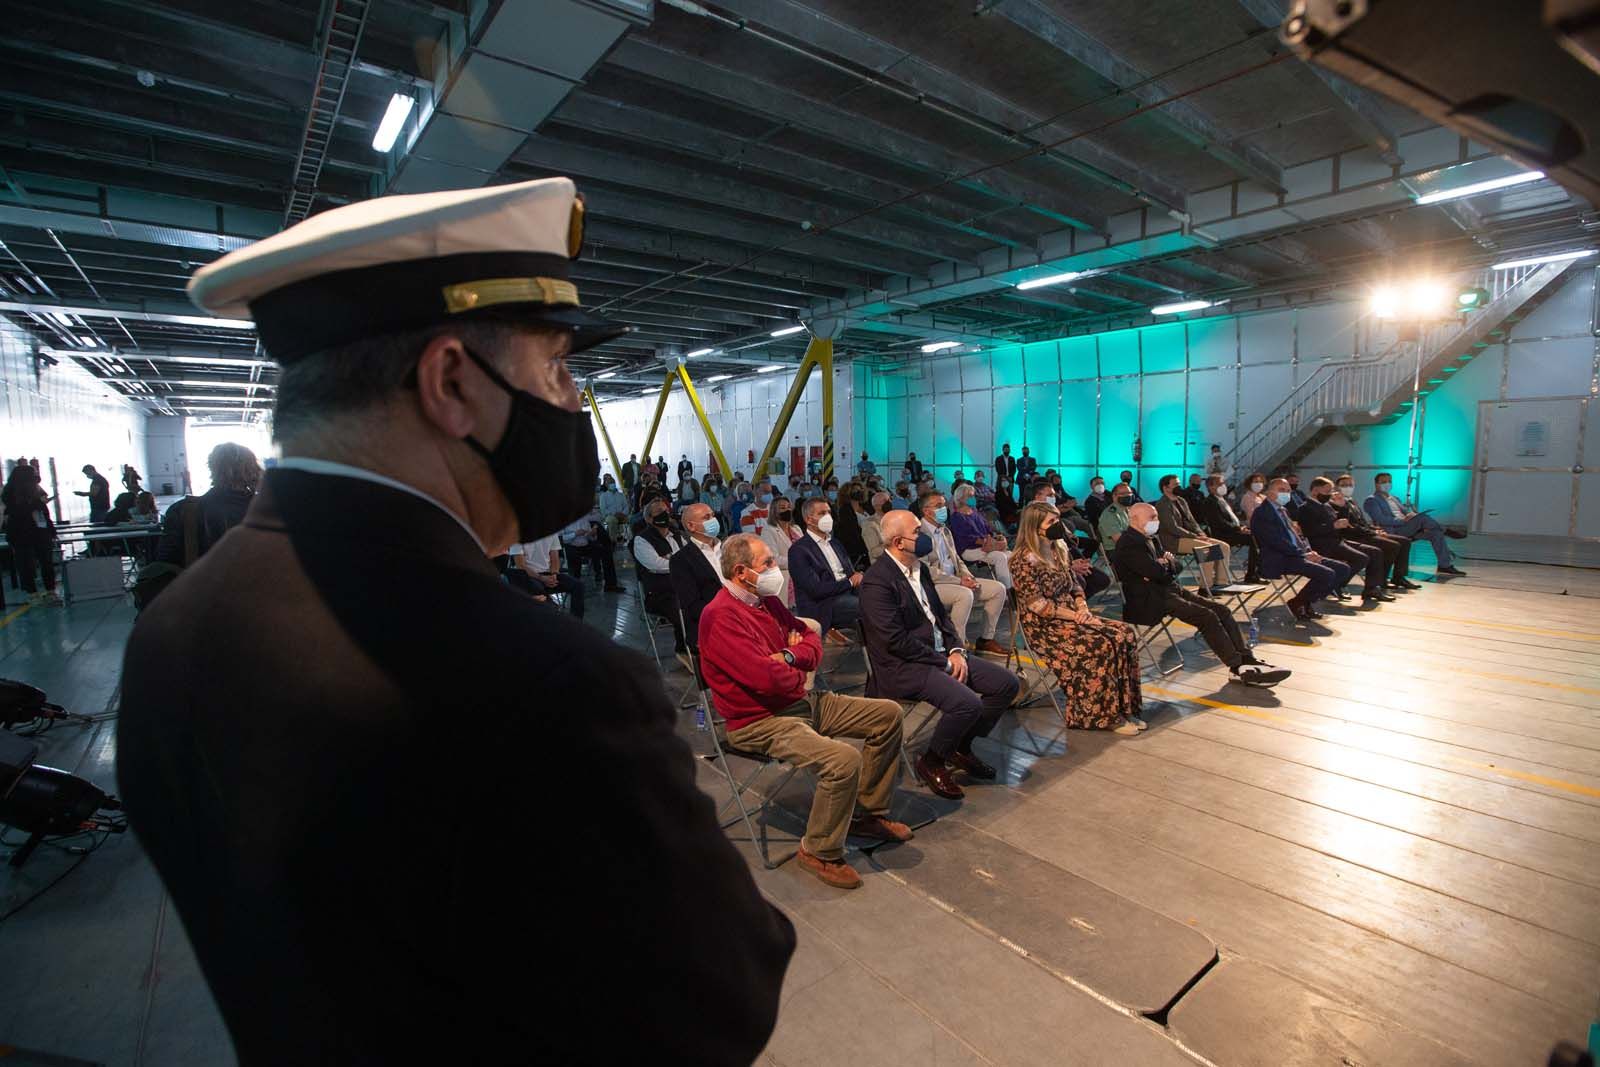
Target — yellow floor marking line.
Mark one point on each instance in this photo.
(1257, 713)
(9, 619)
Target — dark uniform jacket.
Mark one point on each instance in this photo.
(405, 818)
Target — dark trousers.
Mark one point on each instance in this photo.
(969, 709)
(33, 550)
(565, 583)
(1235, 538)
(663, 602)
(1215, 622)
(1096, 581)
(1365, 559)
(835, 613)
(1323, 578)
(598, 553)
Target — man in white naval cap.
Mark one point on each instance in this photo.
(403, 817)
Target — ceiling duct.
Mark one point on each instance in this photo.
(496, 77)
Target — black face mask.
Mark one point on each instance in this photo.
(1123, 501)
(1057, 532)
(546, 460)
(662, 519)
(1324, 497)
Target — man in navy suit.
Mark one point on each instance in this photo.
(1283, 551)
(825, 580)
(916, 654)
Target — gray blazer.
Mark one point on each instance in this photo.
(1177, 521)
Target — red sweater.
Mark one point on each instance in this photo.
(735, 643)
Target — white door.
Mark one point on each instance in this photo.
(1529, 468)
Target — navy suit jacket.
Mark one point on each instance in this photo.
(898, 634)
(812, 576)
(1278, 542)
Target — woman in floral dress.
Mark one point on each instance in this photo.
(1096, 660)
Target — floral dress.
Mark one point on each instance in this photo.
(1097, 662)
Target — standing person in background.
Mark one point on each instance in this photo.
(685, 468)
(1219, 464)
(1027, 471)
(866, 468)
(99, 494)
(913, 470)
(30, 531)
(1005, 465)
(630, 473)
(235, 476)
(1254, 491)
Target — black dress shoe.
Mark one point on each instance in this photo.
(975, 767)
(1404, 583)
(1202, 591)
(1256, 676)
(1378, 595)
(932, 772)
(1452, 571)
(1340, 595)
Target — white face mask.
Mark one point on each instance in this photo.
(769, 582)
(825, 524)
(1383, 489)
(1347, 491)
(1221, 490)
(1256, 487)
(1151, 527)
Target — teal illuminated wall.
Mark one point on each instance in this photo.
(1080, 402)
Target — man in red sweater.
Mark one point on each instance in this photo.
(756, 657)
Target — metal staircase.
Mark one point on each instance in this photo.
(1369, 390)
(340, 36)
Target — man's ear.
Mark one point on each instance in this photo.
(453, 392)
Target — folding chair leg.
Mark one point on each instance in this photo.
(1147, 641)
(759, 839)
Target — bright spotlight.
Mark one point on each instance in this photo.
(940, 346)
(1385, 302)
(787, 330)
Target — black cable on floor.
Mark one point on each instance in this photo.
(82, 855)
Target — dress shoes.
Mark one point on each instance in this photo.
(932, 772)
(991, 646)
(1452, 570)
(880, 828)
(1378, 594)
(838, 637)
(975, 767)
(1405, 583)
(836, 873)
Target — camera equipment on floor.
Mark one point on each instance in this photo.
(44, 802)
(23, 705)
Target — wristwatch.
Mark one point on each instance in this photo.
(788, 657)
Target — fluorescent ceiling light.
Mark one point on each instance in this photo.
(1533, 261)
(607, 374)
(90, 341)
(770, 367)
(719, 378)
(700, 352)
(787, 330)
(1052, 279)
(647, 392)
(1482, 187)
(65, 320)
(1185, 305)
(940, 346)
(394, 118)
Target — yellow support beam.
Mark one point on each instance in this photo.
(825, 367)
(705, 422)
(817, 351)
(655, 421)
(594, 406)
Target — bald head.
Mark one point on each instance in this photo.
(1140, 514)
(898, 527)
(694, 519)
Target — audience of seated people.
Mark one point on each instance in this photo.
(652, 547)
(1222, 523)
(1396, 550)
(1325, 530)
(959, 590)
(1096, 660)
(535, 568)
(1114, 519)
(918, 653)
(1181, 535)
(1285, 551)
(696, 569)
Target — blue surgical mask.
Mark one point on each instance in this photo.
(1383, 488)
(940, 516)
(924, 544)
(766, 498)
(713, 527)
(1283, 498)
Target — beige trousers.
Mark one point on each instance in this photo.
(1212, 571)
(958, 600)
(845, 777)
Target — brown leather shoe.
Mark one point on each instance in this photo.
(836, 873)
(879, 828)
(933, 773)
(991, 646)
(838, 637)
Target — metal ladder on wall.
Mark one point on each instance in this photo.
(340, 36)
(1368, 389)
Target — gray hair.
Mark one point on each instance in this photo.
(738, 551)
(365, 374)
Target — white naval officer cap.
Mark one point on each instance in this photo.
(409, 262)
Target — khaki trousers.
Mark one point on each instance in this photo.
(845, 777)
(958, 601)
(1213, 559)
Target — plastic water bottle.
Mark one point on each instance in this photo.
(1255, 632)
(699, 716)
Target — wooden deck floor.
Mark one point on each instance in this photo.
(1396, 855)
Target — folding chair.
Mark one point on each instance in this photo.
(1282, 589)
(721, 749)
(1019, 653)
(906, 708)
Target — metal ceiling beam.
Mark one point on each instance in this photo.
(104, 311)
(1358, 109)
(1180, 116)
(592, 113)
(696, 253)
(952, 95)
(579, 161)
(747, 299)
(730, 88)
